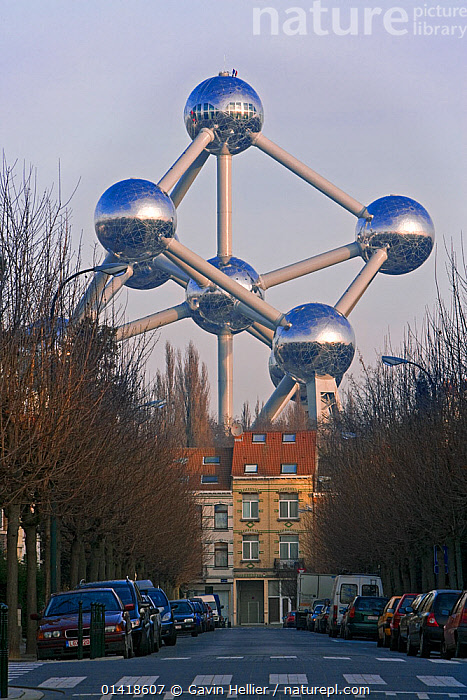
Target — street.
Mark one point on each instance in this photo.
(249, 662)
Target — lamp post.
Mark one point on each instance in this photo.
(391, 361)
(108, 269)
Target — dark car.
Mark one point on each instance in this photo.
(129, 594)
(406, 601)
(383, 635)
(57, 635)
(312, 617)
(455, 630)
(321, 621)
(425, 629)
(201, 616)
(410, 612)
(185, 616)
(208, 616)
(160, 600)
(361, 616)
(155, 617)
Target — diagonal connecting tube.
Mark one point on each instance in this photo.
(309, 175)
(362, 281)
(278, 400)
(156, 320)
(178, 169)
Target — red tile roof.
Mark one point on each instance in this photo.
(269, 455)
(196, 469)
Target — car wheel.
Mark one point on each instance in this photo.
(424, 647)
(171, 641)
(379, 641)
(401, 644)
(194, 634)
(460, 650)
(394, 643)
(411, 650)
(386, 641)
(445, 654)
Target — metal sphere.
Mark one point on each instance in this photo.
(146, 275)
(228, 106)
(277, 375)
(215, 310)
(404, 226)
(132, 217)
(319, 342)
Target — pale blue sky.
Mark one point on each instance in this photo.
(101, 84)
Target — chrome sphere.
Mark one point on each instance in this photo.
(132, 217)
(146, 275)
(215, 310)
(277, 375)
(320, 341)
(404, 226)
(228, 106)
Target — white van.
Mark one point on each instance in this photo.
(346, 587)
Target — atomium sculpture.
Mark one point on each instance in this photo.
(313, 344)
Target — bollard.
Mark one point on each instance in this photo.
(80, 630)
(3, 650)
(102, 637)
(97, 630)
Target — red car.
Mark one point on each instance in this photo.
(57, 635)
(406, 601)
(455, 630)
(290, 620)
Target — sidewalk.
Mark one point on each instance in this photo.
(24, 693)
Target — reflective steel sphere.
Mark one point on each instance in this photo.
(320, 341)
(215, 310)
(132, 217)
(146, 275)
(277, 375)
(404, 226)
(228, 106)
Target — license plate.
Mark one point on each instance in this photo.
(74, 642)
(372, 617)
(178, 627)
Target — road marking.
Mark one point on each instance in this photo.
(390, 693)
(387, 658)
(367, 678)
(423, 696)
(347, 658)
(443, 661)
(282, 657)
(137, 680)
(229, 657)
(287, 678)
(445, 681)
(218, 679)
(17, 669)
(453, 695)
(175, 658)
(62, 682)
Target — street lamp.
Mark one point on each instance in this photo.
(391, 361)
(107, 268)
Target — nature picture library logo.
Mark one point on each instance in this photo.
(327, 19)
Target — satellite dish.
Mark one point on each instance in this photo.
(236, 429)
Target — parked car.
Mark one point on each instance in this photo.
(322, 620)
(425, 629)
(290, 619)
(129, 594)
(361, 616)
(345, 588)
(454, 641)
(185, 616)
(57, 634)
(383, 635)
(160, 600)
(201, 619)
(301, 619)
(312, 617)
(214, 601)
(208, 616)
(155, 617)
(410, 612)
(406, 600)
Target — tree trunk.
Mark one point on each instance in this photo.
(458, 558)
(102, 562)
(13, 514)
(30, 529)
(58, 553)
(413, 573)
(94, 561)
(74, 562)
(47, 563)
(405, 575)
(82, 563)
(110, 561)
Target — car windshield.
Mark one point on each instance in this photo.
(182, 606)
(157, 598)
(318, 609)
(407, 602)
(370, 603)
(444, 603)
(69, 604)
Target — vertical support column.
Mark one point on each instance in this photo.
(225, 377)
(224, 207)
(322, 396)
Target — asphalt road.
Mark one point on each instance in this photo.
(251, 662)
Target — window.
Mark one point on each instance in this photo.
(288, 505)
(211, 460)
(250, 506)
(258, 437)
(251, 469)
(220, 516)
(348, 593)
(288, 468)
(288, 437)
(209, 479)
(250, 547)
(221, 555)
(288, 547)
(370, 589)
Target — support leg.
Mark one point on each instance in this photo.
(353, 293)
(185, 182)
(148, 323)
(322, 399)
(224, 207)
(277, 401)
(178, 169)
(225, 378)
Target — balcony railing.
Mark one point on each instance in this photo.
(289, 564)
